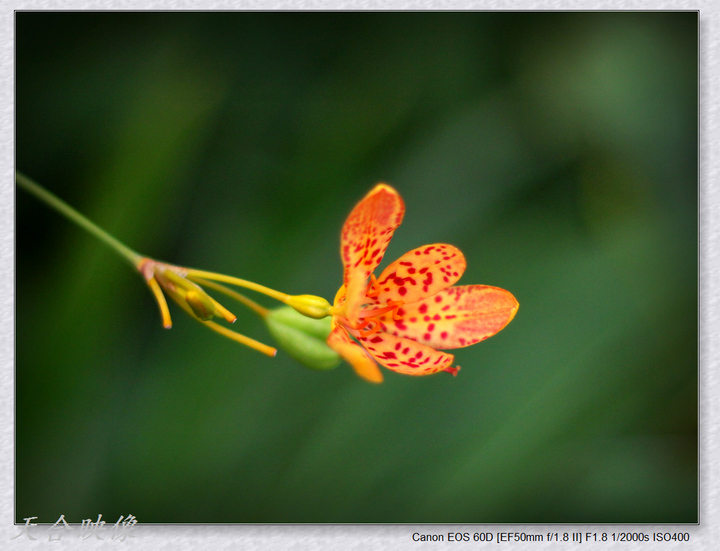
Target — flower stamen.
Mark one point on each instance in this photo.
(191, 297)
(374, 328)
(392, 306)
(373, 316)
(373, 289)
(162, 303)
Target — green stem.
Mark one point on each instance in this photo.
(66, 210)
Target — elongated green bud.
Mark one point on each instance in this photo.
(310, 305)
(303, 338)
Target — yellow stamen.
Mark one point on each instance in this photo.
(162, 303)
(308, 305)
(282, 297)
(203, 306)
(262, 312)
(242, 339)
(223, 312)
(178, 281)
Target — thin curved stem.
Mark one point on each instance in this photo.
(66, 210)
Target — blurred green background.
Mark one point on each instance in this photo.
(558, 151)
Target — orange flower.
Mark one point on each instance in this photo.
(401, 318)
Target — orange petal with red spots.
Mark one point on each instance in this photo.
(354, 354)
(368, 230)
(455, 317)
(420, 273)
(404, 355)
(354, 296)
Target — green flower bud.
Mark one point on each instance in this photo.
(303, 338)
(310, 305)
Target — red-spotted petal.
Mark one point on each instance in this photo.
(368, 230)
(455, 317)
(404, 355)
(420, 273)
(354, 296)
(354, 354)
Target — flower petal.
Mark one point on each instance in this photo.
(354, 354)
(404, 355)
(368, 230)
(455, 317)
(354, 296)
(420, 273)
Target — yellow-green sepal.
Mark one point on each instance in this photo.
(303, 338)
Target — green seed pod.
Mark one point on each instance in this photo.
(303, 338)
